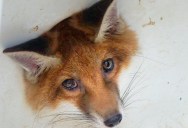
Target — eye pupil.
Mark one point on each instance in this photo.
(108, 65)
(70, 84)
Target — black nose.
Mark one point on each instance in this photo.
(113, 120)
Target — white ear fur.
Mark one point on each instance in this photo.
(111, 22)
(32, 62)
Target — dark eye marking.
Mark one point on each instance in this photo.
(70, 84)
(108, 65)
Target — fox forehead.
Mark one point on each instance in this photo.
(84, 62)
(75, 48)
(82, 58)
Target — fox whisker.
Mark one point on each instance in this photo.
(127, 91)
(126, 97)
(67, 116)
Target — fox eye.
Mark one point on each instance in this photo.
(108, 65)
(70, 84)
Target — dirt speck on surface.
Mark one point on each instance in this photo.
(139, 2)
(149, 23)
(36, 28)
(180, 98)
(161, 18)
(152, 1)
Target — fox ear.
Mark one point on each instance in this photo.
(31, 56)
(32, 62)
(104, 17)
(111, 24)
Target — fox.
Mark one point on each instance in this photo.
(79, 61)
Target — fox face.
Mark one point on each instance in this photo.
(78, 61)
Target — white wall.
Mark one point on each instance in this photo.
(161, 84)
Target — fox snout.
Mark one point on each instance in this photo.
(104, 103)
(111, 116)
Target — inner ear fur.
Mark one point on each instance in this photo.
(33, 56)
(102, 20)
(94, 14)
(33, 63)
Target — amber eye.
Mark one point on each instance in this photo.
(108, 65)
(70, 84)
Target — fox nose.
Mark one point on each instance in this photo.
(113, 120)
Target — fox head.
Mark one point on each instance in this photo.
(78, 61)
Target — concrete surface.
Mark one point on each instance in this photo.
(158, 74)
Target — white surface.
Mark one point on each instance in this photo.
(161, 85)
